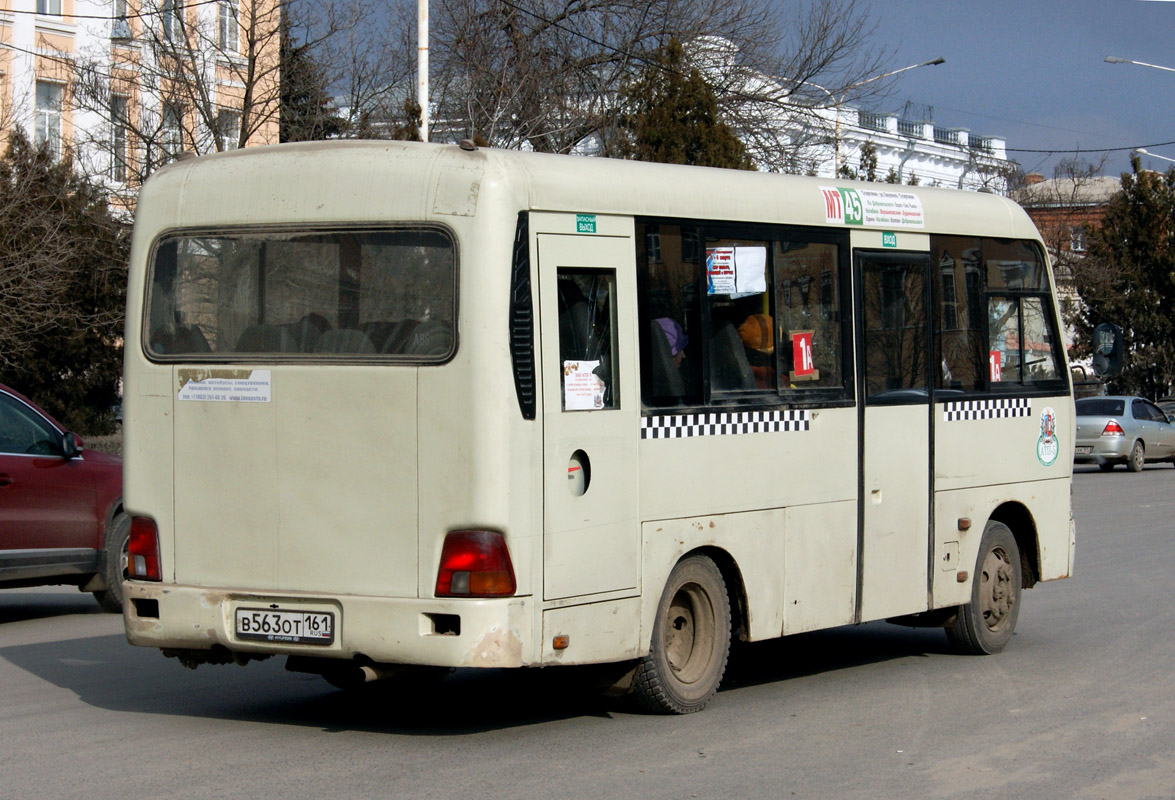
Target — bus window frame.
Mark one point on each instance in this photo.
(307, 359)
(1047, 295)
(842, 396)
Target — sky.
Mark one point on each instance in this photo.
(1033, 72)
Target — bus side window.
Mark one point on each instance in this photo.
(994, 325)
(671, 345)
(587, 339)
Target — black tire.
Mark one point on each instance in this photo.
(114, 560)
(1137, 458)
(1106, 466)
(691, 641)
(985, 625)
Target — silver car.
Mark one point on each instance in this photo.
(1122, 430)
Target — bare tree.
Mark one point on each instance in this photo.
(548, 74)
(202, 76)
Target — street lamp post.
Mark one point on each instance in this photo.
(1138, 151)
(838, 101)
(422, 65)
(1116, 60)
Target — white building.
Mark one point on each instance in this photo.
(932, 154)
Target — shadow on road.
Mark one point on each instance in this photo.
(21, 605)
(829, 650)
(106, 673)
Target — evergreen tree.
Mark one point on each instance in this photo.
(673, 118)
(868, 169)
(1128, 277)
(307, 112)
(62, 288)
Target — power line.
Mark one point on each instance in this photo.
(126, 16)
(1086, 149)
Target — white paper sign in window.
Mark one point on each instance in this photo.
(736, 270)
(583, 389)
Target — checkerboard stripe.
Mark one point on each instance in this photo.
(681, 426)
(1004, 407)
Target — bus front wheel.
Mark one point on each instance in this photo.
(985, 625)
(691, 641)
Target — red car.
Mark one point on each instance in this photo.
(61, 517)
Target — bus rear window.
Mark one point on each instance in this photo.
(323, 295)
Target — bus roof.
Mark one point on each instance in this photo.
(384, 179)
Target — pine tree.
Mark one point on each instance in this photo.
(1128, 278)
(307, 113)
(62, 288)
(673, 118)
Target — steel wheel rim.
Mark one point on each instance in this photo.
(689, 633)
(996, 592)
(124, 560)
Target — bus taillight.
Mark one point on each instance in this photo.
(475, 564)
(143, 550)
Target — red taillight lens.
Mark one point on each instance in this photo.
(143, 550)
(1113, 429)
(475, 564)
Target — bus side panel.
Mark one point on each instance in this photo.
(820, 586)
(596, 633)
(697, 474)
(754, 540)
(956, 551)
(148, 488)
(984, 447)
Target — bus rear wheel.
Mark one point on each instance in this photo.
(691, 641)
(985, 625)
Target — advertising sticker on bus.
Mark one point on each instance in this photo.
(583, 389)
(736, 270)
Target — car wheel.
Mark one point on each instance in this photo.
(114, 561)
(1106, 466)
(985, 625)
(1137, 458)
(691, 641)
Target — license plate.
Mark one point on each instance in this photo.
(1082, 451)
(281, 625)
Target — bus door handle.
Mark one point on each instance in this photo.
(5, 480)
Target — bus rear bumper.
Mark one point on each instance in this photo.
(433, 632)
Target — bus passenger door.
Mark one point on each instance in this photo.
(893, 381)
(591, 414)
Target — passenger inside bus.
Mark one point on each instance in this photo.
(758, 338)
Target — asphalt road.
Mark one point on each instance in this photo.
(1081, 705)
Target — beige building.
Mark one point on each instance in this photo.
(124, 86)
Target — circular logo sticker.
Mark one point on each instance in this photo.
(1048, 447)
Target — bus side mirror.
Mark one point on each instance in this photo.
(1107, 350)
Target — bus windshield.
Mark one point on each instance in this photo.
(323, 294)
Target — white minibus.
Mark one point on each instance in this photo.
(392, 406)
